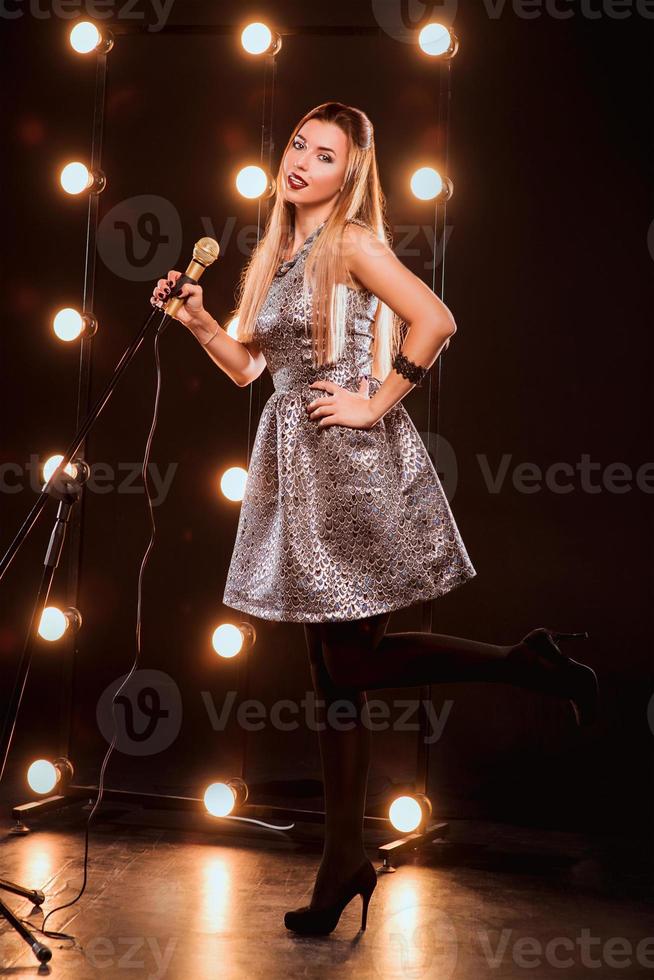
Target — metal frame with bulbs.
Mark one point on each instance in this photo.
(443, 46)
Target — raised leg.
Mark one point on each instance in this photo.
(359, 654)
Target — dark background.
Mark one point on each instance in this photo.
(547, 260)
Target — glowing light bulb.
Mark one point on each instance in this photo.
(42, 776)
(53, 625)
(434, 39)
(53, 462)
(233, 481)
(84, 37)
(405, 813)
(426, 183)
(251, 182)
(256, 38)
(219, 799)
(75, 178)
(68, 324)
(232, 327)
(227, 640)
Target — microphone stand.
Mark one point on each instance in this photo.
(205, 252)
(67, 491)
(67, 495)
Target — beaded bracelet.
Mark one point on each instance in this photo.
(410, 370)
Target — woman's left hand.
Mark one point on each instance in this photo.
(342, 406)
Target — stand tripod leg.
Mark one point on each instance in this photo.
(42, 952)
(34, 894)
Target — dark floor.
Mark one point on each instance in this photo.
(169, 897)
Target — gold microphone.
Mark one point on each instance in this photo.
(205, 253)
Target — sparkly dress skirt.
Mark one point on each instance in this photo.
(336, 523)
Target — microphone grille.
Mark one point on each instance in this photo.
(206, 251)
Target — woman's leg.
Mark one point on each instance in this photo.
(363, 657)
(345, 756)
(347, 658)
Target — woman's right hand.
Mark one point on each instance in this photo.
(192, 309)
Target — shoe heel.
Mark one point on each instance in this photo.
(364, 910)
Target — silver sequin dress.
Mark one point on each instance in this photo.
(336, 523)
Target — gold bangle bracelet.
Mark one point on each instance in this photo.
(205, 343)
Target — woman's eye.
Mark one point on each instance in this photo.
(300, 146)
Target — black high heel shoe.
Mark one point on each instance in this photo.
(576, 681)
(320, 922)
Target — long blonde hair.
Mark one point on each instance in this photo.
(362, 200)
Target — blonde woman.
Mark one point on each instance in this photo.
(344, 518)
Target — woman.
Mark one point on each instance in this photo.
(344, 518)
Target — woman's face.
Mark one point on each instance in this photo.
(317, 154)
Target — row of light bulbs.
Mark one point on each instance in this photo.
(253, 182)
(434, 40)
(406, 813)
(227, 639)
(68, 324)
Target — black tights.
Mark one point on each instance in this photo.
(346, 659)
(358, 654)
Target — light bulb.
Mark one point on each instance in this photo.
(233, 481)
(53, 624)
(84, 37)
(42, 776)
(252, 182)
(426, 183)
(51, 465)
(75, 178)
(256, 38)
(219, 799)
(405, 813)
(434, 39)
(227, 640)
(68, 324)
(232, 327)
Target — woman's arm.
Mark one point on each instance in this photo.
(430, 323)
(242, 362)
